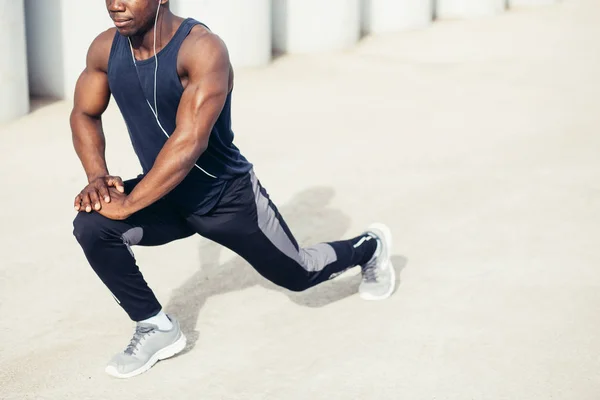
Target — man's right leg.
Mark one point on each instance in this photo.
(247, 222)
(107, 245)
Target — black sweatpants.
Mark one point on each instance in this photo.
(245, 221)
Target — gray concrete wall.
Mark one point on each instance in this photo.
(14, 101)
(458, 9)
(78, 34)
(244, 25)
(309, 26)
(59, 33)
(45, 57)
(531, 3)
(382, 16)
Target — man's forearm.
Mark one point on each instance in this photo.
(172, 165)
(89, 143)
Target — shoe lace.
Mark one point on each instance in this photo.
(369, 271)
(140, 332)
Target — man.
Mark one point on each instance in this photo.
(172, 80)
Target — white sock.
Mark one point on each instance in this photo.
(161, 320)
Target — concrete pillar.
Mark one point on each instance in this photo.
(244, 26)
(381, 16)
(531, 3)
(45, 48)
(59, 33)
(14, 94)
(459, 9)
(310, 26)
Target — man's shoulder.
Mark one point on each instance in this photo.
(202, 43)
(99, 50)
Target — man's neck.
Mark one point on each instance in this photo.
(165, 29)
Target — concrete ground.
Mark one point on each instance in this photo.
(476, 141)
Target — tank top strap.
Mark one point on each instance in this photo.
(182, 32)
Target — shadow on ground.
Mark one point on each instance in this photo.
(311, 221)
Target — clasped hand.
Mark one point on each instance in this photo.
(105, 195)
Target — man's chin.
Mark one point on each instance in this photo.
(126, 28)
(127, 32)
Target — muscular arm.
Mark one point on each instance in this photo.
(92, 95)
(206, 62)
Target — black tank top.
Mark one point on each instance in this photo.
(132, 86)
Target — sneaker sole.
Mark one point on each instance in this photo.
(162, 354)
(387, 239)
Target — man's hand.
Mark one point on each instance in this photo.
(118, 208)
(97, 189)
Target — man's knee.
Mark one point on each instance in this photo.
(296, 281)
(90, 228)
(298, 285)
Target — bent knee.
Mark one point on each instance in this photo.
(298, 286)
(282, 271)
(88, 228)
(294, 282)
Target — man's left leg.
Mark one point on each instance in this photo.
(248, 223)
(107, 245)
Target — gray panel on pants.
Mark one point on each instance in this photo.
(312, 259)
(132, 237)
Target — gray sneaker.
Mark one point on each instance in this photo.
(148, 345)
(378, 275)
